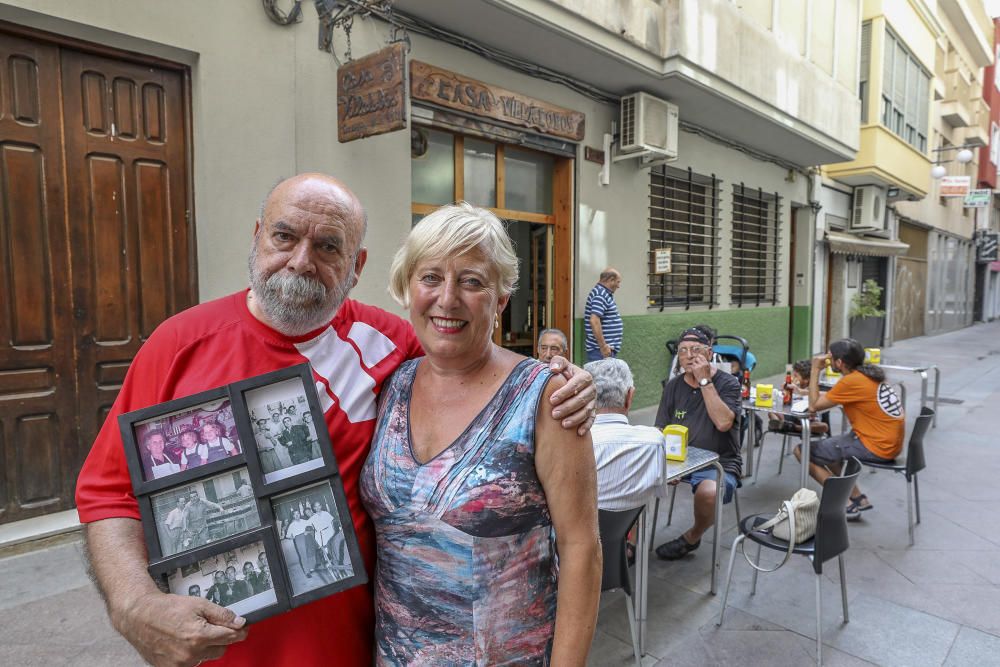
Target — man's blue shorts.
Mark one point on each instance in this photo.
(700, 476)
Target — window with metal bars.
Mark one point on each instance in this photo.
(684, 225)
(756, 273)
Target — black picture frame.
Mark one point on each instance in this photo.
(358, 575)
(326, 462)
(160, 570)
(247, 487)
(127, 424)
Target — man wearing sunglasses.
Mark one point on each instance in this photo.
(706, 401)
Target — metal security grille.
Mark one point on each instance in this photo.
(684, 219)
(756, 274)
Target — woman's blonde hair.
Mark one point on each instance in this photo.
(451, 231)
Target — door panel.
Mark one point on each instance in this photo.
(909, 303)
(126, 176)
(36, 340)
(93, 157)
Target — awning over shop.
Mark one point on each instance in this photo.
(849, 244)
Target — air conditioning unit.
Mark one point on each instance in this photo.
(648, 128)
(868, 211)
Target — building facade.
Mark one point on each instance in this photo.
(986, 299)
(139, 138)
(922, 104)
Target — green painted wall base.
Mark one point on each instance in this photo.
(644, 346)
(801, 332)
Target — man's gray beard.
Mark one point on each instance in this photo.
(294, 304)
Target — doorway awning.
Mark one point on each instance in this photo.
(849, 244)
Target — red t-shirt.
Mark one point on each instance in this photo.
(220, 342)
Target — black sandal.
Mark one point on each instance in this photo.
(855, 509)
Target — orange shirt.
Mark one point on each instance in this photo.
(875, 413)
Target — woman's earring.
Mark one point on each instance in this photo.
(496, 321)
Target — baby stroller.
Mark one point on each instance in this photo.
(731, 354)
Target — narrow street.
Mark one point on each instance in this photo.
(936, 603)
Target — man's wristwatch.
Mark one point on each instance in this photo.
(703, 382)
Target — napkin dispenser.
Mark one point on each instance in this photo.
(873, 355)
(676, 437)
(765, 396)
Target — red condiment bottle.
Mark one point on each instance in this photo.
(746, 384)
(787, 397)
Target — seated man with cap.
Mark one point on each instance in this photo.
(707, 402)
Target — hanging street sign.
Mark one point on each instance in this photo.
(978, 198)
(955, 186)
(371, 94)
(986, 246)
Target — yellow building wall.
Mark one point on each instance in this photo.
(884, 157)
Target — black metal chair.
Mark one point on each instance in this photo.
(830, 541)
(614, 527)
(914, 463)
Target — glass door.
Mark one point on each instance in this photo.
(517, 185)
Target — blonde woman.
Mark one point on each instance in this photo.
(469, 473)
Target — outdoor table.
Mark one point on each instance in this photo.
(749, 408)
(922, 371)
(697, 459)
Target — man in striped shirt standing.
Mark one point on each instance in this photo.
(631, 460)
(601, 321)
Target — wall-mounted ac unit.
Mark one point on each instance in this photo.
(868, 210)
(648, 128)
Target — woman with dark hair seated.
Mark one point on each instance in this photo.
(869, 403)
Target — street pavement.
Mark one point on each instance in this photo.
(936, 603)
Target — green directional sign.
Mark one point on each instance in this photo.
(978, 198)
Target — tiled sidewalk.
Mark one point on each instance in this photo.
(937, 603)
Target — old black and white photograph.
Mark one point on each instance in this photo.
(312, 538)
(283, 429)
(239, 579)
(186, 439)
(192, 515)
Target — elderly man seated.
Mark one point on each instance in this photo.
(551, 343)
(706, 401)
(631, 460)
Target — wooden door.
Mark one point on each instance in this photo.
(96, 249)
(909, 304)
(37, 375)
(127, 193)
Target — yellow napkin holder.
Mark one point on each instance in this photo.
(676, 437)
(830, 373)
(765, 396)
(873, 355)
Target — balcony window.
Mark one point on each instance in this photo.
(905, 94)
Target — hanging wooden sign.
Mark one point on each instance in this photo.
(371, 94)
(454, 91)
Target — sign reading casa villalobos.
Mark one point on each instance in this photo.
(454, 91)
(370, 95)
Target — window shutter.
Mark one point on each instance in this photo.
(888, 52)
(866, 50)
(899, 78)
(914, 80)
(923, 102)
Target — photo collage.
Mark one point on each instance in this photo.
(241, 500)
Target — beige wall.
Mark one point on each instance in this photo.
(800, 58)
(264, 107)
